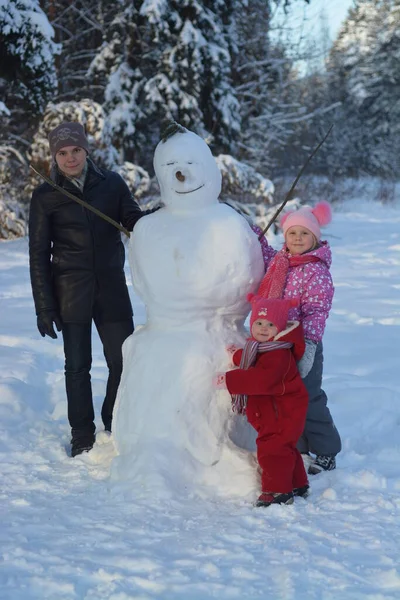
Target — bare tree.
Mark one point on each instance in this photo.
(81, 27)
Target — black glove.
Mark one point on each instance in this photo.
(45, 321)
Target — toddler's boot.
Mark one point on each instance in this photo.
(302, 492)
(268, 498)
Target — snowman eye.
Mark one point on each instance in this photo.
(170, 163)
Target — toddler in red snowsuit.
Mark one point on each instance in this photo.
(267, 388)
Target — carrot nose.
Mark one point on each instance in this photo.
(180, 176)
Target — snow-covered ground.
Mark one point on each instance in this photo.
(66, 534)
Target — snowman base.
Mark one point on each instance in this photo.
(193, 264)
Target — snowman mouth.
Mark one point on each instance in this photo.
(191, 191)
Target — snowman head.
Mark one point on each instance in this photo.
(187, 172)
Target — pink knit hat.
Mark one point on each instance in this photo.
(308, 217)
(275, 310)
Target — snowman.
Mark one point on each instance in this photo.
(193, 262)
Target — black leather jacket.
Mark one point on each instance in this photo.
(77, 258)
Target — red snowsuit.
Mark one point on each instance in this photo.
(276, 408)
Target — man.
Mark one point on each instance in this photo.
(77, 272)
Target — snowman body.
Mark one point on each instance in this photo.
(193, 263)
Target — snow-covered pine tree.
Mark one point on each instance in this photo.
(27, 54)
(259, 70)
(364, 69)
(165, 60)
(12, 212)
(265, 82)
(27, 80)
(243, 183)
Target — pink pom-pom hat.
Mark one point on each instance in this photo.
(310, 218)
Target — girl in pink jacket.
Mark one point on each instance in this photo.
(300, 270)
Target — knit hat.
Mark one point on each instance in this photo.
(274, 310)
(308, 217)
(67, 134)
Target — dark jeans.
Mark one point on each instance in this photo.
(320, 435)
(78, 361)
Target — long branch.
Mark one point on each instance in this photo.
(290, 192)
(81, 202)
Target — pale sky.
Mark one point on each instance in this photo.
(316, 23)
(335, 11)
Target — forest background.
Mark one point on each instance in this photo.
(226, 69)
